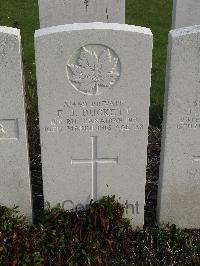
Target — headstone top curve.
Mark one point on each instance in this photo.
(92, 26)
(185, 31)
(10, 30)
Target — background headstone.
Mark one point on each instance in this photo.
(179, 188)
(60, 12)
(14, 163)
(94, 89)
(185, 13)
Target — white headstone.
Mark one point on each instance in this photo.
(179, 188)
(185, 13)
(93, 89)
(14, 163)
(60, 12)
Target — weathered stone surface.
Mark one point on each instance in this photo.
(60, 12)
(93, 89)
(14, 163)
(179, 188)
(185, 13)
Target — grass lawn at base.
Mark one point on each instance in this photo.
(155, 14)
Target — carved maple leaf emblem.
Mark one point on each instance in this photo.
(93, 72)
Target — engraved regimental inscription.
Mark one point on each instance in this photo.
(95, 116)
(93, 69)
(189, 110)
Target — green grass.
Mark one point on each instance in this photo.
(155, 14)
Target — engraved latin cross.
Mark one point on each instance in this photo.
(94, 163)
